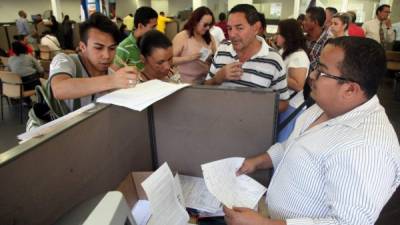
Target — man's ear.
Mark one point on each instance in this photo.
(352, 89)
(82, 46)
(257, 26)
(142, 58)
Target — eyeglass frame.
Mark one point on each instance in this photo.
(335, 77)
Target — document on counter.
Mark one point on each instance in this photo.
(142, 95)
(161, 192)
(50, 126)
(197, 196)
(239, 191)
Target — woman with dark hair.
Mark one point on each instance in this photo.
(291, 39)
(156, 53)
(340, 24)
(25, 65)
(194, 46)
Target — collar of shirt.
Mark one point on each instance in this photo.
(353, 118)
(264, 50)
(132, 38)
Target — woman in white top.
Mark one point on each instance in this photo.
(291, 39)
(340, 24)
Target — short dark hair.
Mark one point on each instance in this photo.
(381, 8)
(100, 22)
(263, 20)
(333, 10)
(291, 31)
(317, 14)
(222, 16)
(151, 40)
(19, 48)
(143, 15)
(250, 12)
(353, 15)
(195, 18)
(364, 62)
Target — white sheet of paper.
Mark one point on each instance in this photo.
(231, 190)
(142, 95)
(141, 212)
(50, 126)
(197, 196)
(204, 53)
(161, 192)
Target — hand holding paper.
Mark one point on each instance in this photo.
(231, 190)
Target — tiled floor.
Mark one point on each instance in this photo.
(11, 126)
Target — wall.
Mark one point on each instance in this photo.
(124, 7)
(160, 5)
(9, 8)
(178, 5)
(264, 6)
(71, 8)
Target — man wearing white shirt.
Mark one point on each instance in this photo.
(50, 41)
(218, 34)
(341, 164)
(380, 28)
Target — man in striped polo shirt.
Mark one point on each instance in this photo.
(128, 52)
(246, 60)
(341, 164)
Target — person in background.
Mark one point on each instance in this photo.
(128, 21)
(341, 164)
(329, 12)
(247, 60)
(192, 43)
(84, 76)
(263, 28)
(23, 39)
(340, 24)
(67, 32)
(354, 30)
(317, 36)
(128, 53)
(22, 24)
(51, 41)
(156, 52)
(396, 44)
(300, 19)
(380, 28)
(291, 40)
(218, 34)
(222, 24)
(25, 65)
(162, 21)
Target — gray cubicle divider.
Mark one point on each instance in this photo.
(3, 38)
(47, 176)
(204, 124)
(84, 160)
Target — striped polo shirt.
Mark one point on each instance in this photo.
(342, 171)
(128, 53)
(263, 70)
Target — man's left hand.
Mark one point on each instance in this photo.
(243, 216)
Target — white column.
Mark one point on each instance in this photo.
(345, 4)
(232, 3)
(197, 3)
(296, 8)
(56, 7)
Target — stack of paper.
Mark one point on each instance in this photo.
(142, 95)
(239, 191)
(197, 196)
(161, 191)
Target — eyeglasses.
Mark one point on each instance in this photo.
(207, 25)
(319, 74)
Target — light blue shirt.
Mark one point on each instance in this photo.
(22, 26)
(342, 171)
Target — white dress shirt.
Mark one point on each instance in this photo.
(371, 29)
(342, 171)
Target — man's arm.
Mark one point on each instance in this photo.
(66, 87)
(231, 71)
(245, 216)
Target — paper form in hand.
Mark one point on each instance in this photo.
(142, 95)
(231, 190)
(204, 53)
(161, 192)
(197, 196)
